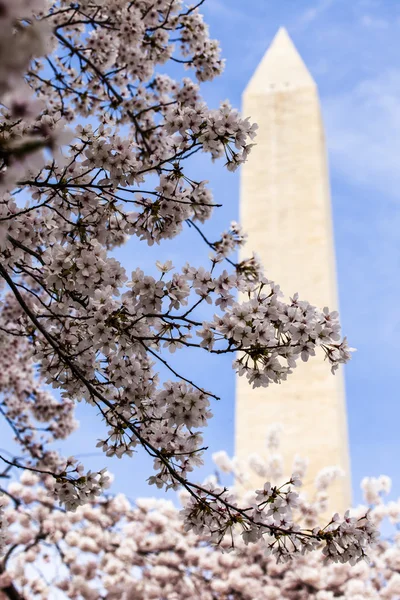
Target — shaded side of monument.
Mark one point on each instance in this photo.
(285, 209)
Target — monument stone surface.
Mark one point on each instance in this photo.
(285, 209)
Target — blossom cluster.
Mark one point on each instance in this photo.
(269, 521)
(111, 547)
(3, 527)
(374, 488)
(34, 415)
(73, 491)
(25, 128)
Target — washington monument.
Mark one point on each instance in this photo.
(286, 210)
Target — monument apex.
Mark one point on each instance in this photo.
(281, 68)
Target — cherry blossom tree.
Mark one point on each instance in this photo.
(95, 143)
(113, 548)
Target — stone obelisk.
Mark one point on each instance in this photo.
(286, 211)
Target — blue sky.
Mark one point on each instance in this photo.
(352, 50)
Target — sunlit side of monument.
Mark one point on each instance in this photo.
(286, 210)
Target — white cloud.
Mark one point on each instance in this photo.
(313, 13)
(222, 9)
(363, 132)
(374, 22)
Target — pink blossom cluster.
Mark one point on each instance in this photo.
(3, 527)
(75, 318)
(34, 415)
(26, 127)
(73, 488)
(113, 548)
(275, 510)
